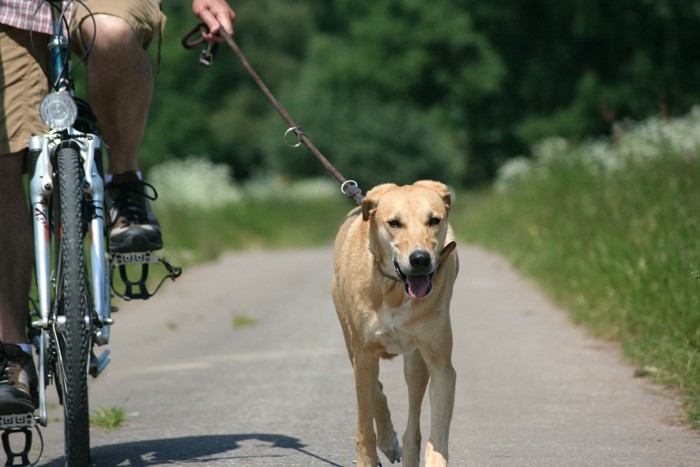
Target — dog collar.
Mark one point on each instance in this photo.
(387, 275)
(449, 248)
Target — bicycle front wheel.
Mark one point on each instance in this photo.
(71, 329)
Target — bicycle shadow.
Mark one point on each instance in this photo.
(191, 450)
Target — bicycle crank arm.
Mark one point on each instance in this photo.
(98, 364)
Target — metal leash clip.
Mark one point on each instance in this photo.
(206, 58)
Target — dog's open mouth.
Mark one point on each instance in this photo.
(417, 285)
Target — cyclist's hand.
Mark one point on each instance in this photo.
(216, 14)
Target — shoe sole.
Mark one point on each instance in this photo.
(134, 244)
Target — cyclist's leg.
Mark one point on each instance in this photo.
(22, 85)
(120, 87)
(120, 75)
(18, 379)
(16, 257)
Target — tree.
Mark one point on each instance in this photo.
(218, 111)
(424, 59)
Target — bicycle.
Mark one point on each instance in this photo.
(73, 265)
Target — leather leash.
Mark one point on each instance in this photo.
(348, 187)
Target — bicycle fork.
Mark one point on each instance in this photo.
(41, 187)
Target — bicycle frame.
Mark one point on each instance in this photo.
(41, 161)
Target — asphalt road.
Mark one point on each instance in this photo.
(532, 389)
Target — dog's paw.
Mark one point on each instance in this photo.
(392, 451)
(379, 464)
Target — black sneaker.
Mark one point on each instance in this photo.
(132, 225)
(18, 381)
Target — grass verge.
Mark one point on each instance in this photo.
(620, 249)
(193, 235)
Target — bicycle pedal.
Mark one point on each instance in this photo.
(17, 421)
(140, 257)
(135, 288)
(23, 455)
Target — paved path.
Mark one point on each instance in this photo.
(532, 389)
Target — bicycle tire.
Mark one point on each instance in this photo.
(72, 308)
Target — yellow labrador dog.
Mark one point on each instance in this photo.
(394, 272)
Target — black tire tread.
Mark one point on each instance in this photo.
(74, 341)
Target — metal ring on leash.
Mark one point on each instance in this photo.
(297, 131)
(348, 187)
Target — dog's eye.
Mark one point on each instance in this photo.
(433, 221)
(394, 224)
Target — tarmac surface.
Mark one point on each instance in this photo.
(241, 362)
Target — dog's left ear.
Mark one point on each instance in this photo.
(441, 190)
(371, 200)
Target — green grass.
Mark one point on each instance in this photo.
(620, 250)
(109, 419)
(193, 235)
(241, 321)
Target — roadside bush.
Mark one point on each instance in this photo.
(194, 183)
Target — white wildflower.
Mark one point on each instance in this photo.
(550, 149)
(193, 183)
(512, 172)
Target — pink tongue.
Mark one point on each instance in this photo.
(418, 286)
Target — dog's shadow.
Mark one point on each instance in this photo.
(191, 450)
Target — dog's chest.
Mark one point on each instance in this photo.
(391, 331)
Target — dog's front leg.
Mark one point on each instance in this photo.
(416, 375)
(442, 396)
(386, 436)
(366, 368)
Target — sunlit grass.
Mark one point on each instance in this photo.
(193, 235)
(617, 244)
(108, 419)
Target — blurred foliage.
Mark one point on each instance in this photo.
(403, 89)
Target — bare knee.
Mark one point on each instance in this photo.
(112, 35)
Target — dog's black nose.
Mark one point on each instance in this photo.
(420, 260)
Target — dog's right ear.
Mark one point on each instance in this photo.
(369, 204)
(441, 190)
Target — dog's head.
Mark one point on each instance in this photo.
(408, 230)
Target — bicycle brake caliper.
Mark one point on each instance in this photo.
(137, 289)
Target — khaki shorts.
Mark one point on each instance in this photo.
(22, 81)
